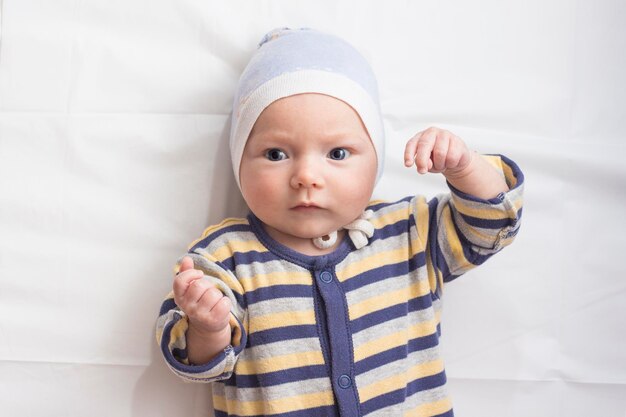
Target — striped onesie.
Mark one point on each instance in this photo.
(350, 333)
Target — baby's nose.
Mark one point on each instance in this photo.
(308, 175)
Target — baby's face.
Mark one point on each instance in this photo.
(308, 168)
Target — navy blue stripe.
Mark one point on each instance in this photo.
(378, 206)
(424, 342)
(282, 333)
(375, 275)
(179, 353)
(165, 340)
(382, 401)
(470, 254)
(167, 305)
(426, 383)
(517, 172)
(383, 272)
(397, 353)
(279, 377)
(207, 240)
(245, 258)
(378, 317)
(391, 313)
(380, 359)
(486, 223)
(399, 396)
(325, 411)
(436, 256)
(279, 291)
(438, 259)
(399, 228)
(449, 413)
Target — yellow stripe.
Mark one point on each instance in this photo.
(236, 330)
(422, 223)
(277, 406)
(487, 213)
(388, 299)
(508, 174)
(393, 340)
(285, 318)
(241, 246)
(225, 223)
(459, 260)
(278, 362)
(390, 218)
(230, 281)
(494, 161)
(434, 275)
(430, 409)
(399, 381)
(178, 332)
(276, 278)
(371, 262)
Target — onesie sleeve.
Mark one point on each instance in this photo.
(460, 231)
(172, 326)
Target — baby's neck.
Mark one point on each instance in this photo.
(302, 245)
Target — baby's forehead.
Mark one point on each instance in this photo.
(321, 112)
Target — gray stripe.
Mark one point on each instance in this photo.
(391, 369)
(257, 268)
(392, 326)
(224, 239)
(276, 392)
(387, 285)
(281, 305)
(417, 399)
(283, 347)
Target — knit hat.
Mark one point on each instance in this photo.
(296, 61)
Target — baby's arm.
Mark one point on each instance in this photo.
(208, 311)
(439, 151)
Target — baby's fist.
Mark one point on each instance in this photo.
(437, 150)
(204, 304)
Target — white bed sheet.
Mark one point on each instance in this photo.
(113, 157)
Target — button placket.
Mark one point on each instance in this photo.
(341, 360)
(344, 381)
(326, 277)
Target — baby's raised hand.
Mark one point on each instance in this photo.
(437, 150)
(206, 306)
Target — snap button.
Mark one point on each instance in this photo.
(326, 277)
(344, 381)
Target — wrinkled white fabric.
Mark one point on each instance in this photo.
(114, 122)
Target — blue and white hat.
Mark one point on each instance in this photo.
(296, 61)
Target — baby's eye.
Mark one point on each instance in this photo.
(339, 154)
(275, 154)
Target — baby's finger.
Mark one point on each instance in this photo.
(409, 149)
(440, 152)
(185, 264)
(201, 288)
(459, 156)
(221, 309)
(215, 318)
(424, 149)
(184, 279)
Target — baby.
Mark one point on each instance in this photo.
(322, 302)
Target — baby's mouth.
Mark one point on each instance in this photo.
(306, 206)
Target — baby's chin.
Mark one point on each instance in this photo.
(302, 232)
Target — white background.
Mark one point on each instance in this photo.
(113, 157)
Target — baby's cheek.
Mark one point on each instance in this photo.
(356, 198)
